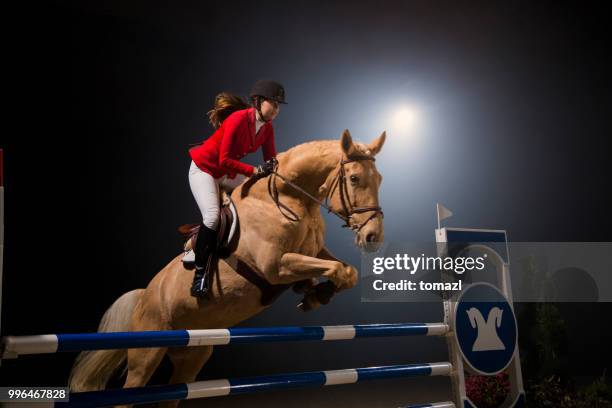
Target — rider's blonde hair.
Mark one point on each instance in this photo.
(225, 105)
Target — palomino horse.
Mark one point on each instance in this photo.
(284, 250)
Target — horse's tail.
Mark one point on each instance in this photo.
(93, 369)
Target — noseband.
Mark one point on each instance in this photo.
(338, 182)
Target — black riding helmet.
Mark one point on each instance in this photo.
(267, 89)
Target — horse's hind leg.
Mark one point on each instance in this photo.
(187, 364)
(141, 365)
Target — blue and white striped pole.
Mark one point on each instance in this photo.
(15, 346)
(215, 388)
(446, 404)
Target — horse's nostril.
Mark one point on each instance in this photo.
(371, 237)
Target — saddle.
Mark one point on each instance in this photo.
(228, 233)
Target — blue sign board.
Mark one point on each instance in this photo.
(485, 329)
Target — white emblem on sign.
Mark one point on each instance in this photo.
(487, 339)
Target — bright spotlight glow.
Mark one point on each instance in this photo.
(406, 119)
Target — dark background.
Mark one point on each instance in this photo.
(516, 102)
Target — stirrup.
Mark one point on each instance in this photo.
(199, 286)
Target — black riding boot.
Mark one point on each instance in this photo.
(204, 247)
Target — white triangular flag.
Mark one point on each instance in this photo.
(443, 213)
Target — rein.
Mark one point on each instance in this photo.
(338, 182)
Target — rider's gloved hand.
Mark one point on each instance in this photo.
(265, 169)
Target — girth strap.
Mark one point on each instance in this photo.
(269, 292)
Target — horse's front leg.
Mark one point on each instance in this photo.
(320, 293)
(297, 267)
(325, 253)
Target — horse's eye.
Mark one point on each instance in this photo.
(354, 179)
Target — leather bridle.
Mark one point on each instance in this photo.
(339, 182)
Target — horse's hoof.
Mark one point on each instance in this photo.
(325, 291)
(305, 286)
(308, 304)
(305, 306)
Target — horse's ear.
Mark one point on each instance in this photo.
(346, 141)
(377, 144)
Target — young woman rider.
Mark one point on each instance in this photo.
(240, 129)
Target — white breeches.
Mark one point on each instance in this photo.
(205, 190)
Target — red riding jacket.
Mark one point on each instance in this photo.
(235, 138)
